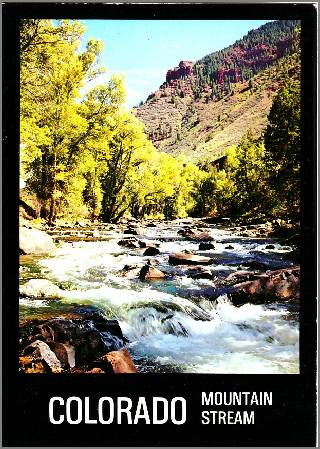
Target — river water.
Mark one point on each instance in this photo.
(174, 325)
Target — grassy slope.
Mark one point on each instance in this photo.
(203, 129)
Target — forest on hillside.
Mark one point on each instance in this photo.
(83, 155)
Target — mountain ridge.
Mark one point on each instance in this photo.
(206, 106)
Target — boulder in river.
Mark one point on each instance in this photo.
(40, 288)
(203, 246)
(121, 361)
(130, 271)
(188, 259)
(34, 241)
(149, 272)
(283, 284)
(190, 234)
(129, 243)
(151, 251)
(133, 230)
(199, 273)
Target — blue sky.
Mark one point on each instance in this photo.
(143, 50)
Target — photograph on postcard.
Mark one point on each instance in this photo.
(159, 203)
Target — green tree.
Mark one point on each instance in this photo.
(246, 168)
(283, 146)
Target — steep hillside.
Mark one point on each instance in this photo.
(203, 108)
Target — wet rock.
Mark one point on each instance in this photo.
(34, 241)
(238, 277)
(270, 246)
(151, 225)
(64, 352)
(149, 272)
(255, 265)
(199, 273)
(91, 336)
(188, 259)
(206, 246)
(151, 251)
(39, 350)
(281, 284)
(121, 361)
(174, 327)
(130, 271)
(40, 288)
(129, 243)
(229, 247)
(199, 236)
(133, 231)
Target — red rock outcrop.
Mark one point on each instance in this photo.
(181, 72)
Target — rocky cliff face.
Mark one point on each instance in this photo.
(203, 107)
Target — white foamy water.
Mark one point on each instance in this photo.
(168, 326)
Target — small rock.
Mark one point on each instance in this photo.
(149, 272)
(130, 271)
(188, 259)
(133, 231)
(199, 273)
(269, 246)
(229, 247)
(151, 251)
(255, 265)
(206, 246)
(129, 243)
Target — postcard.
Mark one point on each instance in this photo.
(159, 225)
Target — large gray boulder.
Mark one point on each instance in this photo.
(34, 241)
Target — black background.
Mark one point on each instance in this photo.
(291, 420)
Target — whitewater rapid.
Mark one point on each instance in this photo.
(170, 325)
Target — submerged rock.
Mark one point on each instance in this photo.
(34, 241)
(188, 259)
(40, 288)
